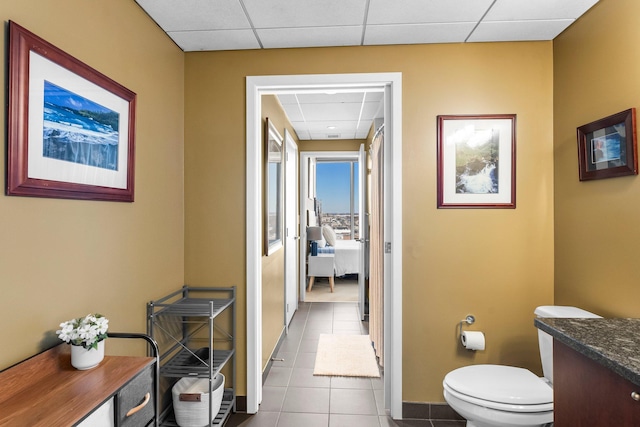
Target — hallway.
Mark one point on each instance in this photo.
(293, 397)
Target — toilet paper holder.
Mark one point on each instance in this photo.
(469, 320)
(471, 340)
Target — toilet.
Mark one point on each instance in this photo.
(507, 396)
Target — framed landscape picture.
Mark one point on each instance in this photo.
(607, 147)
(70, 128)
(477, 161)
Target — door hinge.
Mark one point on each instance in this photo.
(387, 247)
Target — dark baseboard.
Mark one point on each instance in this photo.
(410, 410)
(429, 411)
(241, 403)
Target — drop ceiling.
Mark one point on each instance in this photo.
(213, 25)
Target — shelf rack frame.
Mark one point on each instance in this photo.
(194, 309)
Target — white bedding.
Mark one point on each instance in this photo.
(347, 257)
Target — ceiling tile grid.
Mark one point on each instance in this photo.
(210, 25)
(426, 11)
(214, 25)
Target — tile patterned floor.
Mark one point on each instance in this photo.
(293, 397)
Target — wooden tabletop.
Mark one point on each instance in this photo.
(46, 390)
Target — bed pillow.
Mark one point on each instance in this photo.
(321, 243)
(329, 235)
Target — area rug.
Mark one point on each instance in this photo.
(346, 356)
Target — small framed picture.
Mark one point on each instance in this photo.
(607, 147)
(477, 161)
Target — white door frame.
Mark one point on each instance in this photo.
(256, 86)
(363, 231)
(291, 224)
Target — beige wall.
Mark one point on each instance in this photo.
(61, 259)
(496, 264)
(331, 145)
(273, 265)
(597, 237)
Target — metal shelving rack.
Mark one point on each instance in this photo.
(193, 344)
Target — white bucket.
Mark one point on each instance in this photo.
(191, 400)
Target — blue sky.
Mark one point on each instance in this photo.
(332, 186)
(64, 98)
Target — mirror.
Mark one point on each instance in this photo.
(273, 202)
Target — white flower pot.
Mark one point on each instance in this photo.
(84, 359)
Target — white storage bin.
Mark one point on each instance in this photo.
(191, 400)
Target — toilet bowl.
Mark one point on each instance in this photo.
(507, 396)
(499, 396)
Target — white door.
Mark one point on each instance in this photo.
(362, 228)
(291, 228)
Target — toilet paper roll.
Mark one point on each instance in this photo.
(472, 340)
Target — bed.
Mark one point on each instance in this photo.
(346, 253)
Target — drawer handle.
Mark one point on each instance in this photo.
(635, 396)
(140, 406)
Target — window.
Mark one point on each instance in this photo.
(337, 195)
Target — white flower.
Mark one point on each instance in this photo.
(85, 331)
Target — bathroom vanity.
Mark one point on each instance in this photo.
(596, 379)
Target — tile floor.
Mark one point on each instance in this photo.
(293, 397)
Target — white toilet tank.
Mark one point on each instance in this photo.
(546, 341)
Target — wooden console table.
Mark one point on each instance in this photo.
(46, 390)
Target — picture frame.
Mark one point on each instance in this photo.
(273, 188)
(476, 156)
(607, 147)
(71, 129)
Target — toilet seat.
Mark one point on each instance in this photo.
(504, 388)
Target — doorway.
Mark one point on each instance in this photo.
(340, 166)
(391, 83)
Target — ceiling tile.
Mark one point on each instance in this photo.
(215, 40)
(337, 112)
(426, 11)
(172, 15)
(519, 30)
(301, 132)
(417, 33)
(310, 37)
(323, 126)
(302, 13)
(323, 136)
(293, 112)
(375, 96)
(370, 110)
(520, 10)
(322, 98)
(287, 98)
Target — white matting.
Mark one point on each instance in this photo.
(346, 356)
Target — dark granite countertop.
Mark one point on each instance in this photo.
(614, 343)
